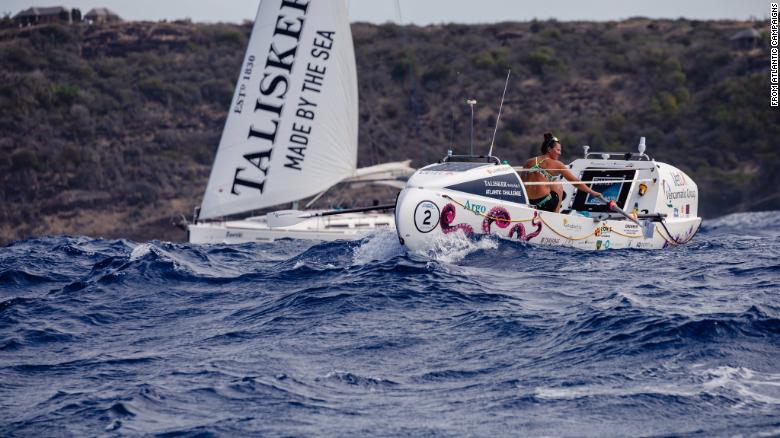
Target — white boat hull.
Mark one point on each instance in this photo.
(518, 222)
(353, 226)
(483, 197)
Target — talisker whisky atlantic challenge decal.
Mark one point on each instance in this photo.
(504, 187)
(274, 85)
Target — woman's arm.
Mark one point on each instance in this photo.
(570, 176)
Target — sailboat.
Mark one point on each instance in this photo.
(292, 133)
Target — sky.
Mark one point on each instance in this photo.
(423, 12)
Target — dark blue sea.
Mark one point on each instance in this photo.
(476, 338)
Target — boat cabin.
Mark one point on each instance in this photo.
(636, 183)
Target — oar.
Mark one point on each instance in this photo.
(286, 218)
(614, 207)
(647, 230)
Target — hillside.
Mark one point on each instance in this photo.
(110, 131)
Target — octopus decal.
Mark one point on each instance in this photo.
(498, 215)
(447, 216)
(502, 219)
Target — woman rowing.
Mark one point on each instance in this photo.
(547, 168)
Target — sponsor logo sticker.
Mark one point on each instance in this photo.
(672, 195)
(475, 208)
(571, 227)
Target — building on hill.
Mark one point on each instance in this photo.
(101, 15)
(746, 39)
(54, 14)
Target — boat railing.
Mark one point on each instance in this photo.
(639, 155)
(471, 159)
(627, 156)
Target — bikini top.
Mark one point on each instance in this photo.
(536, 168)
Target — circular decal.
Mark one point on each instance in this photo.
(426, 216)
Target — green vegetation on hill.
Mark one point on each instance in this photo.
(111, 130)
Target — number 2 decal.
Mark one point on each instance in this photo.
(426, 216)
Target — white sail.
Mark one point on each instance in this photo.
(291, 131)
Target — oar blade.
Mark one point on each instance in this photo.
(286, 218)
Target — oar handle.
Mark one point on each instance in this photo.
(614, 207)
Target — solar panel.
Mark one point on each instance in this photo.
(454, 167)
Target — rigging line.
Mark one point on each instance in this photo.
(605, 182)
(569, 237)
(675, 241)
(671, 240)
(316, 198)
(398, 12)
(500, 107)
(630, 236)
(413, 94)
(527, 169)
(497, 219)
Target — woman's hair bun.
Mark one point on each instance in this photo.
(548, 142)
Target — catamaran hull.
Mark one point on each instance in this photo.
(342, 227)
(425, 217)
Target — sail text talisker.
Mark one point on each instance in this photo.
(274, 85)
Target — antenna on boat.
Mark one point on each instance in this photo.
(452, 128)
(490, 152)
(471, 103)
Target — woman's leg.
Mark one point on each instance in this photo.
(558, 193)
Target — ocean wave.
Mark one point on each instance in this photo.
(473, 337)
(630, 331)
(746, 389)
(13, 278)
(350, 379)
(378, 247)
(743, 223)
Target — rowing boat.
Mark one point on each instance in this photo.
(645, 204)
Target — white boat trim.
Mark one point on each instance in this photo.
(256, 229)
